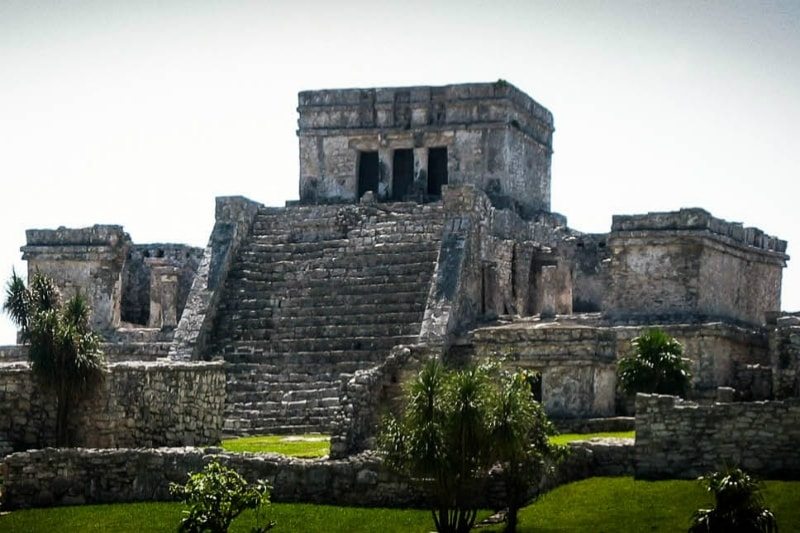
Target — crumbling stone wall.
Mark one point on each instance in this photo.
(688, 263)
(676, 438)
(784, 349)
(588, 256)
(138, 404)
(84, 259)
(497, 138)
(577, 358)
(83, 476)
(136, 276)
(577, 364)
(372, 393)
(234, 216)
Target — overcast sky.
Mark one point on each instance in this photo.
(140, 113)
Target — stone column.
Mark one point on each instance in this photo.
(385, 173)
(163, 293)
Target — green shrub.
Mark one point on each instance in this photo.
(738, 505)
(656, 366)
(459, 423)
(216, 496)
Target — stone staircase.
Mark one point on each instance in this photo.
(314, 294)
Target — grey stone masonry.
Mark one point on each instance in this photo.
(233, 218)
(138, 404)
(492, 135)
(676, 438)
(687, 263)
(77, 476)
(577, 357)
(88, 260)
(784, 346)
(314, 294)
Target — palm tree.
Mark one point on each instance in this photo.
(519, 436)
(456, 425)
(64, 353)
(739, 505)
(657, 366)
(441, 441)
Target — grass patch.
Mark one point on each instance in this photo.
(609, 504)
(308, 446)
(163, 517)
(571, 437)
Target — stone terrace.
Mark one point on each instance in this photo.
(314, 294)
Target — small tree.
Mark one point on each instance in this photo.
(455, 426)
(656, 366)
(738, 505)
(520, 441)
(63, 350)
(216, 496)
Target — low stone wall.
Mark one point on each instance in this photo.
(677, 438)
(81, 476)
(138, 404)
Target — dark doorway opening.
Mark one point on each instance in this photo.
(437, 170)
(368, 173)
(402, 173)
(535, 382)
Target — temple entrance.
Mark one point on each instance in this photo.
(368, 173)
(437, 170)
(402, 173)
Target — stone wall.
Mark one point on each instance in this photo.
(497, 138)
(82, 476)
(784, 348)
(85, 259)
(676, 438)
(137, 404)
(454, 300)
(234, 215)
(577, 364)
(688, 263)
(136, 276)
(370, 394)
(577, 358)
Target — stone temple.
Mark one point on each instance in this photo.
(423, 228)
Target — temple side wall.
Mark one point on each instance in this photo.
(687, 264)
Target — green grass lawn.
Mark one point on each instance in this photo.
(594, 505)
(316, 445)
(570, 437)
(309, 445)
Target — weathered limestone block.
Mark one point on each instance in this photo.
(88, 260)
(688, 263)
(163, 293)
(676, 438)
(495, 136)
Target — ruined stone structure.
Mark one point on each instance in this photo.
(423, 229)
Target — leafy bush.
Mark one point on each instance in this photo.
(656, 366)
(739, 505)
(459, 423)
(216, 496)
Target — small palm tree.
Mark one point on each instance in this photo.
(739, 505)
(63, 351)
(657, 366)
(520, 433)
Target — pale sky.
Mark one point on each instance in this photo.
(140, 113)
